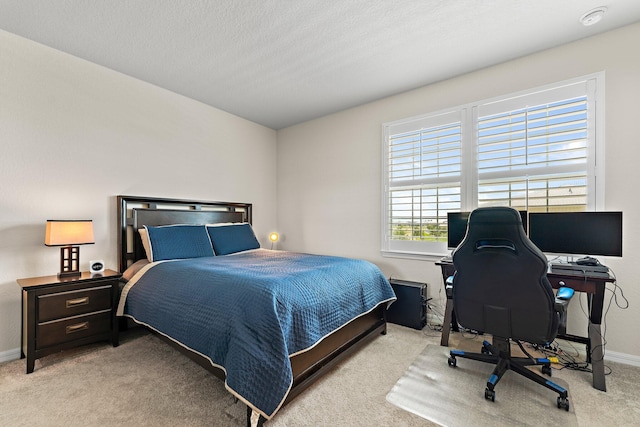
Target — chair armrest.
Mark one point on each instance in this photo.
(448, 287)
(563, 296)
(565, 293)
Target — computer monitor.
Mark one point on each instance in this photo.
(577, 233)
(457, 226)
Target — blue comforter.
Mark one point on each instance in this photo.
(249, 312)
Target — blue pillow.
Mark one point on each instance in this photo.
(179, 241)
(229, 239)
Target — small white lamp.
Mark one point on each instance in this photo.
(274, 238)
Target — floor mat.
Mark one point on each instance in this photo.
(449, 396)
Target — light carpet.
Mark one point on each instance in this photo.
(145, 382)
(455, 396)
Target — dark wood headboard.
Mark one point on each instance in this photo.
(135, 212)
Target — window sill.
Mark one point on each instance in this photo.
(412, 255)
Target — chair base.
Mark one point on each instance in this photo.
(499, 354)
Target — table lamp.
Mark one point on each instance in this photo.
(69, 234)
(274, 238)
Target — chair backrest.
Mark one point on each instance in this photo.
(500, 286)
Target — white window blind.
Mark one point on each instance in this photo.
(535, 156)
(424, 166)
(533, 151)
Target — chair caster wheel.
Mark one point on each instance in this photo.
(491, 395)
(563, 402)
(452, 361)
(546, 370)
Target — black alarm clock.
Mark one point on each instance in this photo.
(96, 266)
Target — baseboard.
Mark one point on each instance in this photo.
(609, 356)
(627, 359)
(6, 356)
(612, 356)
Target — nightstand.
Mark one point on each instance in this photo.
(63, 313)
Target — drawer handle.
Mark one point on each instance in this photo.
(77, 327)
(76, 302)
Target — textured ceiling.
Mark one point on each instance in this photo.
(282, 62)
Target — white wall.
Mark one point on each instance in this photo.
(64, 124)
(73, 135)
(329, 169)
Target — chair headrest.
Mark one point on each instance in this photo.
(496, 214)
(501, 223)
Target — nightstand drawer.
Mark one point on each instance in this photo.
(74, 328)
(73, 303)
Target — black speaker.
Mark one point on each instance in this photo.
(410, 309)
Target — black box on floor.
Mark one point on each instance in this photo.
(410, 309)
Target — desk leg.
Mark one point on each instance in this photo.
(446, 324)
(597, 357)
(595, 338)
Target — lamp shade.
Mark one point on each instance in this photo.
(274, 237)
(68, 232)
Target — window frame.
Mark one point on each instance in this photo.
(469, 175)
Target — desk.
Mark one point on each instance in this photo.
(591, 285)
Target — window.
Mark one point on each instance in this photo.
(533, 151)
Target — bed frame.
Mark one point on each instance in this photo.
(135, 212)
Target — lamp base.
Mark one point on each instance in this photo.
(69, 261)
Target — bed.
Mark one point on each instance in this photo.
(267, 322)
